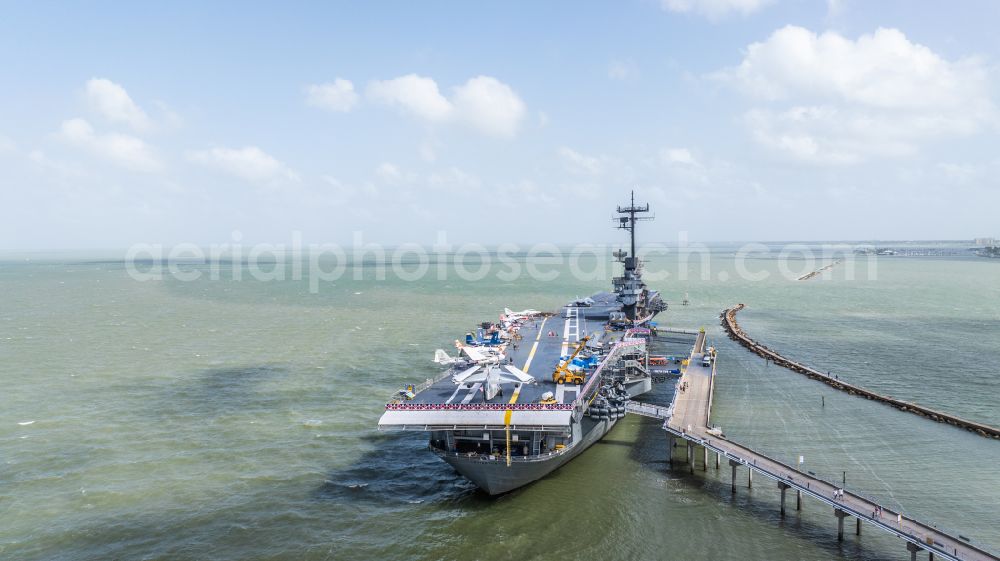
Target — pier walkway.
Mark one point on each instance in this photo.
(689, 418)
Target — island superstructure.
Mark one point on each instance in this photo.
(526, 394)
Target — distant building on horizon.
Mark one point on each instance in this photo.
(989, 247)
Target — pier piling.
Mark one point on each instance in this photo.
(840, 523)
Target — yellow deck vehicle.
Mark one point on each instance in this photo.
(562, 373)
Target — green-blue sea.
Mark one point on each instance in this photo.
(223, 419)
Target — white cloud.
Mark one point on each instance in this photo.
(112, 102)
(337, 192)
(959, 173)
(523, 192)
(333, 182)
(167, 117)
(489, 105)
(454, 180)
(883, 69)
(483, 103)
(389, 173)
(409, 186)
(623, 69)
(249, 163)
(60, 169)
(834, 8)
(413, 94)
(579, 163)
(840, 100)
(831, 135)
(684, 171)
(427, 151)
(338, 95)
(680, 156)
(714, 9)
(122, 149)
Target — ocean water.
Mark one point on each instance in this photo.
(235, 420)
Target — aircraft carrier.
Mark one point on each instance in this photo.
(528, 393)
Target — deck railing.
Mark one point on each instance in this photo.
(613, 355)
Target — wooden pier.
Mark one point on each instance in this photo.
(689, 418)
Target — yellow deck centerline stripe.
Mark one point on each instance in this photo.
(506, 417)
(538, 337)
(517, 392)
(531, 355)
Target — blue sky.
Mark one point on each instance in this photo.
(735, 119)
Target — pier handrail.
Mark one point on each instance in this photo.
(747, 456)
(647, 410)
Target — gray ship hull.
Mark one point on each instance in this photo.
(495, 477)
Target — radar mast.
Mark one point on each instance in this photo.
(630, 286)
